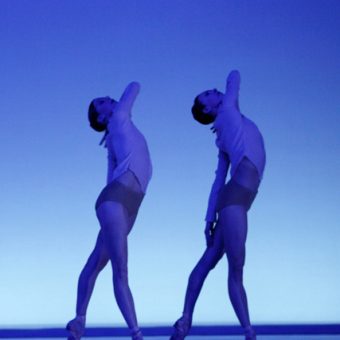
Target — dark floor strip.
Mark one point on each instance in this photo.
(307, 329)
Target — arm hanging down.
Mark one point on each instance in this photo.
(221, 174)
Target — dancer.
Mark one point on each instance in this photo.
(129, 172)
(241, 147)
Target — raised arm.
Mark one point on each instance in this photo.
(124, 106)
(230, 108)
(232, 88)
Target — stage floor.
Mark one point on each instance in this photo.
(231, 337)
(212, 332)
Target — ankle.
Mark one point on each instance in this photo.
(249, 332)
(81, 318)
(135, 330)
(136, 333)
(187, 318)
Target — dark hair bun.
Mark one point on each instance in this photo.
(198, 113)
(93, 116)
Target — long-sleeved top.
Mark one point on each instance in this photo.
(237, 137)
(127, 147)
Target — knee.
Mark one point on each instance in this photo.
(197, 277)
(101, 264)
(236, 268)
(193, 281)
(93, 266)
(120, 272)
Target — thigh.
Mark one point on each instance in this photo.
(233, 221)
(114, 227)
(131, 221)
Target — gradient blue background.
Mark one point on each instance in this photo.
(56, 55)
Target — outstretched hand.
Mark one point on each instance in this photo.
(209, 233)
(131, 91)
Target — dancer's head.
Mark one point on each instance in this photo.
(100, 111)
(206, 106)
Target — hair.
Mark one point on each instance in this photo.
(198, 113)
(93, 119)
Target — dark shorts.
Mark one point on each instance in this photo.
(241, 188)
(118, 192)
(235, 194)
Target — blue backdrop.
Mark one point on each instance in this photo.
(57, 55)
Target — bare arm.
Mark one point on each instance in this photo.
(230, 107)
(221, 174)
(124, 106)
(232, 88)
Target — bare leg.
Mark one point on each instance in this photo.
(95, 263)
(233, 220)
(208, 261)
(115, 227)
